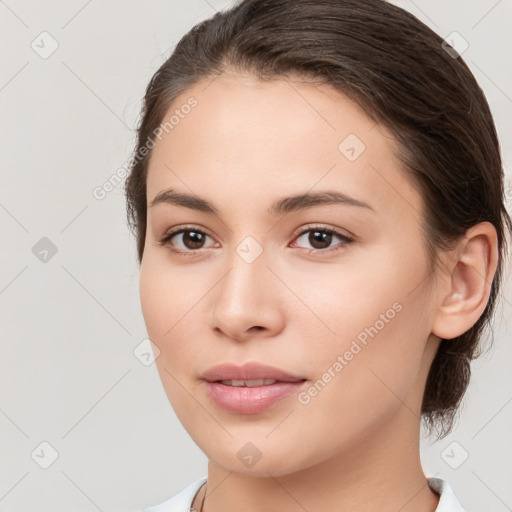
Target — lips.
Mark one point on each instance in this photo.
(248, 372)
(251, 388)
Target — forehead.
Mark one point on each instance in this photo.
(257, 138)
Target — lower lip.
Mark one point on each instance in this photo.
(246, 400)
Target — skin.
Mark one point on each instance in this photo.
(355, 445)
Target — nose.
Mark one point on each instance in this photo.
(247, 302)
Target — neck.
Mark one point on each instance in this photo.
(380, 472)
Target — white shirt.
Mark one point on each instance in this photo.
(183, 500)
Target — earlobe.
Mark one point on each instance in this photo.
(469, 282)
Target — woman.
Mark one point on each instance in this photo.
(317, 196)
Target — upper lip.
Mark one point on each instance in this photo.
(248, 371)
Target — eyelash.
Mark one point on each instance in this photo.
(345, 240)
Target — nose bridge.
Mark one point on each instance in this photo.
(246, 296)
(248, 275)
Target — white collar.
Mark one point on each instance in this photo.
(182, 501)
(447, 501)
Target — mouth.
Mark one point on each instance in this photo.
(251, 388)
(250, 374)
(248, 383)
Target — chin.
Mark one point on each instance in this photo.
(244, 458)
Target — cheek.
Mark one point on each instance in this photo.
(376, 317)
(357, 295)
(168, 298)
(361, 382)
(156, 299)
(166, 303)
(167, 293)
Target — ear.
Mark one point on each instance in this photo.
(467, 284)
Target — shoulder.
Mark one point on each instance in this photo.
(447, 499)
(181, 502)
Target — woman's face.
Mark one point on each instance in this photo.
(345, 314)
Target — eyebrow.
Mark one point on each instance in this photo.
(281, 206)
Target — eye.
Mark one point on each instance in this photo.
(320, 239)
(188, 239)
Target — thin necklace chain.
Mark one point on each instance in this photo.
(202, 502)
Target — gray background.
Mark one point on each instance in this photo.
(70, 324)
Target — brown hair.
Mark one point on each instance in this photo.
(398, 70)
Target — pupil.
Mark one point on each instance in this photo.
(193, 240)
(319, 237)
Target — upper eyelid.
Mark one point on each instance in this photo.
(338, 231)
(180, 229)
(302, 230)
